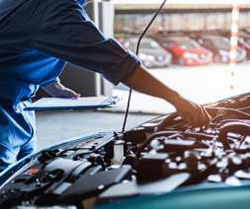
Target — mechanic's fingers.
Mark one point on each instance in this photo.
(189, 118)
(68, 93)
(194, 121)
(208, 117)
(197, 118)
(204, 118)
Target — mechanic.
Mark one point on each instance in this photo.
(37, 37)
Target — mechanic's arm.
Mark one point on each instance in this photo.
(144, 82)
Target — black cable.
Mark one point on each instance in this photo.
(235, 127)
(137, 52)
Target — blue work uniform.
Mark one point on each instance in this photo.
(37, 37)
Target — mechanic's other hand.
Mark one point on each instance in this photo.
(56, 89)
(194, 114)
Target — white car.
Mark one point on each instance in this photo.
(151, 53)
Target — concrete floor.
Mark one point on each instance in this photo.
(202, 84)
(56, 126)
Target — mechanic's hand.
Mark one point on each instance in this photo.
(56, 89)
(194, 114)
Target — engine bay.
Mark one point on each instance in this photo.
(157, 157)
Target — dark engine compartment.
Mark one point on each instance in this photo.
(161, 155)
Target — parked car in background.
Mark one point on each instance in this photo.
(185, 51)
(220, 46)
(244, 42)
(243, 39)
(151, 53)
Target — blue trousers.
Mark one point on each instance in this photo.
(9, 156)
(17, 134)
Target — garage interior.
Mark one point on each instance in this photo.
(210, 83)
(85, 159)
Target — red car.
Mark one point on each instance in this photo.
(185, 51)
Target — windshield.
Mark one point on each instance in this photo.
(149, 44)
(130, 45)
(247, 41)
(145, 44)
(221, 43)
(189, 44)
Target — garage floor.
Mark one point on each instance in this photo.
(209, 83)
(54, 127)
(202, 84)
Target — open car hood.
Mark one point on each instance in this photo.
(202, 167)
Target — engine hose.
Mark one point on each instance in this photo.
(235, 127)
(169, 120)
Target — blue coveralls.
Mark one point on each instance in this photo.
(37, 37)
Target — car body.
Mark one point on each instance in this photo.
(185, 51)
(220, 46)
(243, 39)
(151, 53)
(162, 163)
(244, 42)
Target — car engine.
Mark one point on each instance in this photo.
(157, 157)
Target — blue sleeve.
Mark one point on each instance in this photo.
(66, 32)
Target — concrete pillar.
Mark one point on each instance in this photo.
(84, 82)
(106, 25)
